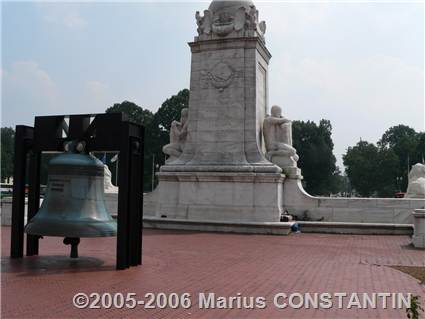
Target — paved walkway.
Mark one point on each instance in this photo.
(226, 264)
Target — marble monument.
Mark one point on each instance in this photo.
(219, 171)
(231, 167)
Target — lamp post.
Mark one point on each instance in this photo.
(399, 180)
(153, 171)
(116, 160)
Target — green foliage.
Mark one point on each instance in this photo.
(415, 308)
(386, 174)
(405, 143)
(420, 149)
(361, 164)
(317, 162)
(371, 171)
(7, 152)
(157, 128)
(168, 112)
(383, 170)
(134, 112)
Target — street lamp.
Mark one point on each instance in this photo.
(153, 171)
(399, 179)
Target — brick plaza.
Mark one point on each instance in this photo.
(226, 264)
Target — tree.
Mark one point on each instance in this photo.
(404, 142)
(7, 152)
(384, 171)
(144, 117)
(168, 112)
(135, 113)
(157, 128)
(420, 149)
(371, 170)
(361, 162)
(386, 174)
(315, 147)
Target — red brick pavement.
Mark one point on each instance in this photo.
(226, 264)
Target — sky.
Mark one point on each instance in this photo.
(358, 64)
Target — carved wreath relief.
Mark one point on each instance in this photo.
(220, 76)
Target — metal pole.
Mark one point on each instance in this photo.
(408, 168)
(116, 171)
(153, 171)
(123, 218)
(22, 134)
(33, 198)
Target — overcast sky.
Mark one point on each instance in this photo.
(360, 65)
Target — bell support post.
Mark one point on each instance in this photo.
(33, 197)
(24, 136)
(111, 132)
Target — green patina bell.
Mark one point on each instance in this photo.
(74, 204)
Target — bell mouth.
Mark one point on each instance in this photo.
(77, 229)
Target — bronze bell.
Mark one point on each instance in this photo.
(74, 204)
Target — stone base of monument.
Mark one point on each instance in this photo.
(355, 228)
(418, 238)
(6, 211)
(264, 228)
(219, 196)
(288, 165)
(111, 202)
(292, 172)
(347, 210)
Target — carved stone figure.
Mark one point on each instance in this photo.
(416, 187)
(229, 18)
(107, 181)
(199, 22)
(203, 23)
(278, 139)
(252, 18)
(178, 134)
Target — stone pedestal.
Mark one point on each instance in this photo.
(292, 172)
(418, 238)
(208, 196)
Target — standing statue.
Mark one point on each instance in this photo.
(178, 134)
(278, 138)
(416, 187)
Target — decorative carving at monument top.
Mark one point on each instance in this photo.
(229, 19)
